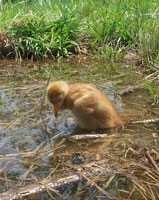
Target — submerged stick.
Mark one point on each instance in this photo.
(151, 160)
(79, 137)
(88, 136)
(146, 121)
(37, 188)
(42, 102)
(52, 184)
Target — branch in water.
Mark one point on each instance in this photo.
(146, 121)
(37, 188)
(151, 160)
(88, 136)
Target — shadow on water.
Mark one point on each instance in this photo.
(35, 145)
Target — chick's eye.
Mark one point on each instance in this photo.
(59, 97)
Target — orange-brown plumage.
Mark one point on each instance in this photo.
(91, 108)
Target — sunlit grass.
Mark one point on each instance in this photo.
(34, 37)
(153, 88)
(111, 27)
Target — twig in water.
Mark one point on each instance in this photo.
(151, 160)
(146, 121)
(36, 188)
(42, 102)
(88, 136)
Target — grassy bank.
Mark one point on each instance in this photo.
(45, 29)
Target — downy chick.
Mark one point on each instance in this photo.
(91, 108)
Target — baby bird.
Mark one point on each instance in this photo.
(91, 108)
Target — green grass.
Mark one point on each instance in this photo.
(34, 37)
(109, 27)
(153, 89)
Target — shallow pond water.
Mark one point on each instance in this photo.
(34, 145)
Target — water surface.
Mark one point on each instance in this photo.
(28, 126)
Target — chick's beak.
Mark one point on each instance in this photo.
(56, 109)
